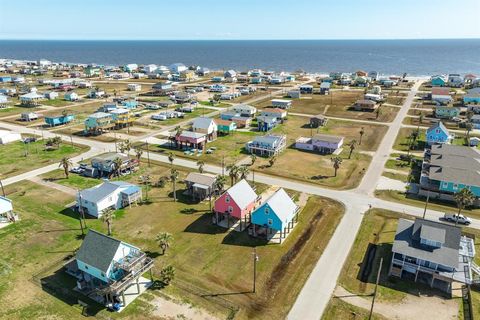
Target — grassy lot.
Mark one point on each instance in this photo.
(13, 160)
(396, 176)
(338, 309)
(13, 110)
(378, 228)
(443, 206)
(402, 141)
(75, 181)
(427, 122)
(207, 258)
(316, 168)
(59, 102)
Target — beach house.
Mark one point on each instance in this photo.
(277, 214)
(365, 105)
(190, 139)
(266, 123)
(31, 99)
(99, 122)
(446, 112)
(281, 103)
(108, 195)
(274, 112)
(441, 95)
(438, 133)
(225, 126)
(29, 116)
(59, 120)
(134, 87)
(267, 146)
(447, 169)
(237, 204)
(109, 270)
(321, 143)
(472, 97)
(6, 210)
(200, 186)
(206, 126)
(433, 253)
(7, 136)
(71, 96)
(318, 121)
(438, 81)
(105, 165)
(51, 95)
(245, 110)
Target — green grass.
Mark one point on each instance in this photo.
(402, 141)
(13, 160)
(59, 102)
(74, 180)
(205, 256)
(443, 206)
(396, 176)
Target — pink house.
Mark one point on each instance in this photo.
(236, 203)
(189, 139)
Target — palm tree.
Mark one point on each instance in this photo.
(167, 274)
(174, 177)
(138, 153)
(468, 128)
(171, 157)
(253, 157)
(117, 164)
(200, 165)
(219, 183)
(164, 240)
(272, 160)
(127, 146)
(362, 132)
(65, 163)
(145, 179)
(243, 171)
(336, 161)
(352, 145)
(107, 216)
(420, 121)
(464, 198)
(232, 173)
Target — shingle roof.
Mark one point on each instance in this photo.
(202, 122)
(242, 194)
(439, 125)
(407, 241)
(98, 250)
(201, 178)
(103, 190)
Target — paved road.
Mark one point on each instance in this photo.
(318, 289)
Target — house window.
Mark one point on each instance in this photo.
(445, 184)
(270, 222)
(230, 209)
(103, 274)
(109, 198)
(437, 131)
(267, 210)
(455, 186)
(86, 267)
(227, 199)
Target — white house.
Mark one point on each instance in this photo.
(50, 95)
(150, 68)
(134, 87)
(6, 210)
(9, 136)
(177, 68)
(281, 103)
(110, 194)
(206, 126)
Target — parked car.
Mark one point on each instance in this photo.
(29, 140)
(77, 170)
(459, 218)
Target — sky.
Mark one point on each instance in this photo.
(238, 19)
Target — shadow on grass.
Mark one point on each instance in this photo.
(204, 225)
(242, 239)
(369, 269)
(60, 285)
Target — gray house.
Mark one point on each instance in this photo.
(433, 253)
(200, 185)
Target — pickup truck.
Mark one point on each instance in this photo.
(460, 218)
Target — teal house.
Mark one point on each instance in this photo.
(438, 81)
(444, 112)
(438, 133)
(130, 104)
(110, 265)
(59, 120)
(471, 98)
(276, 214)
(225, 126)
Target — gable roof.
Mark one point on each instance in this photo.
(201, 178)
(242, 194)
(328, 138)
(440, 126)
(100, 192)
(202, 122)
(98, 250)
(281, 204)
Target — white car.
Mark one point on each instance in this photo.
(459, 218)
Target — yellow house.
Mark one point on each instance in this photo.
(122, 117)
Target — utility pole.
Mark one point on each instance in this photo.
(148, 155)
(255, 260)
(376, 286)
(223, 165)
(426, 204)
(3, 190)
(82, 215)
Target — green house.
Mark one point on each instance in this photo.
(445, 112)
(225, 126)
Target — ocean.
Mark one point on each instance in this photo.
(416, 57)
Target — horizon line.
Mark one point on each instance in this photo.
(244, 39)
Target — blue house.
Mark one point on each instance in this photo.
(111, 265)
(130, 104)
(438, 81)
(6, 79)
(471, 98)
(266, 123)
(277, 214)
(53, 121)
(438, 133)
(229, 115)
